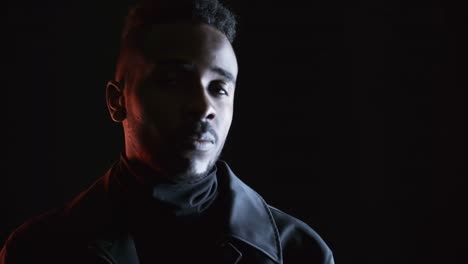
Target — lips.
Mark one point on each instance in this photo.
(199, 142)
(203, 138)
(198, 137)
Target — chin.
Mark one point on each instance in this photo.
(191, 169)
(191, 165)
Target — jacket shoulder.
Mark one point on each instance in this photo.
(32, 237)
(55, 232)
(299, 241)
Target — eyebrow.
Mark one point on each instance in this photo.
(224, 73)
(190, 66)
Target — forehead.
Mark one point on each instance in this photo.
(199, 44)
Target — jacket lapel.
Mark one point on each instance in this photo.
(119, 251)
(229, 253)
(249, 219)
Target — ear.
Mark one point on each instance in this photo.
(115, 101)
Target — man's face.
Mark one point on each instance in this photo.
(179, 102)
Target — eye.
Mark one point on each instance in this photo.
(219, 88)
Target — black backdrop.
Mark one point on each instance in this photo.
(349, 115)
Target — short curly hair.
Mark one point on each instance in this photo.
(151, 12)
(148, 13)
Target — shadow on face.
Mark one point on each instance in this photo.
(178, 99)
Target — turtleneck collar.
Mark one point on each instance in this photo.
(177, 199)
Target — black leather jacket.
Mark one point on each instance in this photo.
(89, 230)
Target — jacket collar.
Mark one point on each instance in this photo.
(248, 220)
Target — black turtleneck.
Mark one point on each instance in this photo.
(188, 198)
(167, 219)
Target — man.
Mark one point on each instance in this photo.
(169, 199)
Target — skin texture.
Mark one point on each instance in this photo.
(176, 102)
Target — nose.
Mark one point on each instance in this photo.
(200, 105)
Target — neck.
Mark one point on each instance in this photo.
(189, 197)
(151, 174)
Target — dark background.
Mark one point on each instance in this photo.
(349, 115)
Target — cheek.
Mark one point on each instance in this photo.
(143, 103)
(160, 112)
(226, 121)
(135, 110)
